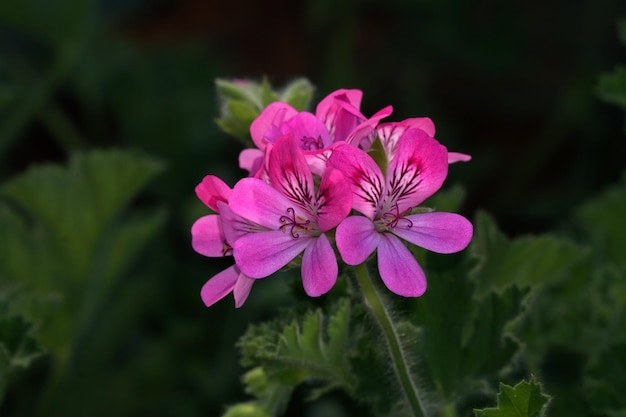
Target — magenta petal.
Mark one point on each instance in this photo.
(417, 170)
(437, 232)
(274, 115)
(258, 202)
(458, 157)
(319, 267)
(309, 131)
(251, 160)
(398, 268)
(364, 134)
(261, 254)
(335, 199)
(242, 289)
(219, 286)
(207, 237)
(363, 174)
(289, 172)
(211, 190)
(352, 97)
(356, 239)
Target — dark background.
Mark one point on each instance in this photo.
(511, 83)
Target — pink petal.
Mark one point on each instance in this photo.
(251, 160)
(219, 286)
(289, 172)
(398, 268)
(339, 114)
(207, 237)
(389, 133)
(309, 131)
(335, 199)
(437, 232)
(458, 157)
(261, 254)
(211, 190)
(319, 267)
(363, 174)
(356, 239)
(242, 289)
(274, 115)
(417, 170)
(352, 97)
(257, 202)
(235, 226)
(364, 134)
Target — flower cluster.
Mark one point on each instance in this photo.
(320, 181)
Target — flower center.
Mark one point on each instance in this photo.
(294, 223)
(390, 219)
(310, 143)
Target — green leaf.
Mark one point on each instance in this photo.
(523, 400)
(523, 262)
(314, 349)
(603, 222)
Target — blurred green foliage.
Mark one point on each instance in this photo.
(107, 123)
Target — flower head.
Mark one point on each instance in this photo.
(417, 170)
(295, 215)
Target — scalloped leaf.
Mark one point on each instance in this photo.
(523, 400)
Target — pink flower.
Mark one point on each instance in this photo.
(389, 133)
(337, 119)
(295, 218)
(213, 236)
(416, 171)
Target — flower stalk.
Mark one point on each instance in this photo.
(376, 306)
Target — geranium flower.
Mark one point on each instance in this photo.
(417, 170)
(337, 119)
(213, 236)
(295, 217)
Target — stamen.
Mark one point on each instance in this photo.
(391, 218)
(310, 143)
(296, 223)
(227, 250)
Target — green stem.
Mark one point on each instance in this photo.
(379, 310)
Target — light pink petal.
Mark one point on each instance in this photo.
(437, 232)
(398, 268)
(364, 134)
(235, 226)
(339, 114)
(274, 115)
(219, 286)
(352, 97)
(289, 172)
(257, 202)
(261, 254)
(417, 170)
(389, 133)
(211, 190)
(458, 157)
(309, 131)
(207, 237)
(242, 289)
(364, 176)
(334, 200)
(319, 267)
(356, 239)
(251, 160)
